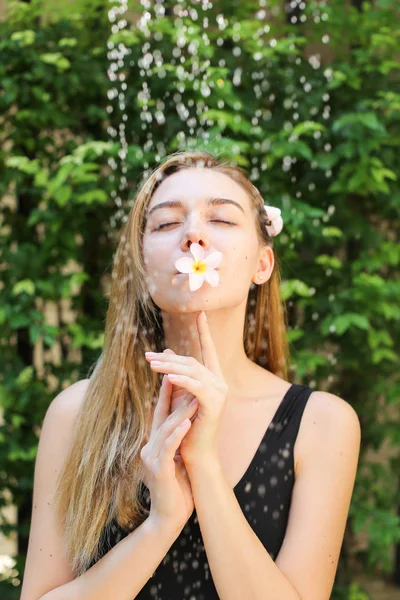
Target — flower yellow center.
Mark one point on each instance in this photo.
(199, 267)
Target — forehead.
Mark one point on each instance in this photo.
(196, 184)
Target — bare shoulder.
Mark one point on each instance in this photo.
(69, 401)
(330, 410)
(326, 417)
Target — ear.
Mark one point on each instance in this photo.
(265, 265)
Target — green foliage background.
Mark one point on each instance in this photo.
(319, 141)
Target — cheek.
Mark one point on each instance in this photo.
(243, 259)
(240, 252)
(153, 249)
(158, 261)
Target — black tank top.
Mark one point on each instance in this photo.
(264, 495)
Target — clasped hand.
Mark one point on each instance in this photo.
(207, 384)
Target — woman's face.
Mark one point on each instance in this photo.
(197, 220)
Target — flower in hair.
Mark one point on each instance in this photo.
(200, 268)
(274, 222)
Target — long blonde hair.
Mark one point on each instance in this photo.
(102, 475)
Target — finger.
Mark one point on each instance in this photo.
(208, 349)
(169, 426)
(173, 441)
(194, 386)
(176, 368)
(178, 396)
(164, 356)
(163, 405)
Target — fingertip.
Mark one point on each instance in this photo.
(165, 382)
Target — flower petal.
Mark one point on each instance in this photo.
(212, 277)
(197, 251)
(196, 280)
(277, 226)
(272, 211)
(213, 259)
(274, 214)
(184, 264)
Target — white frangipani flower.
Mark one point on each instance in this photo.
(274, 215)
(200, 268)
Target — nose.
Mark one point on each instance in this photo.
(195, 232)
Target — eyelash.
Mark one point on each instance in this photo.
(176, 222)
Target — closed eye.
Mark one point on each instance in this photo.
(176, 223)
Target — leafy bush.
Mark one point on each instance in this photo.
(319, 135)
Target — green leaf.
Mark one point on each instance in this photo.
(350, 123)
(383, 354)
(26, 285)
(56, 59)
(18, 321)
(93, 196)
(61, 176)
(307, 128)
(25, 376)
(295, 334)
(23, 164)
(68, 42)
(295, 287)
(62, 195)
(332, 262)
(331, 232)
(342, 323)
(25, 38)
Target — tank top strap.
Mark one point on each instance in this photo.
(289, 414)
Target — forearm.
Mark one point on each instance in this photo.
(240, 565)
(124, 570)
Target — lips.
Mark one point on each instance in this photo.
(179, 273)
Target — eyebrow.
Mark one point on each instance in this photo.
(210, 201)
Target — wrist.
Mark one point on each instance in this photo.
(206, 464)
(164, 525)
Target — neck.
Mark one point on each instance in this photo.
(226, 329)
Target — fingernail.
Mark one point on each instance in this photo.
(193, 402)
(204, 316)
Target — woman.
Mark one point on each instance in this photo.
(243, 493)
